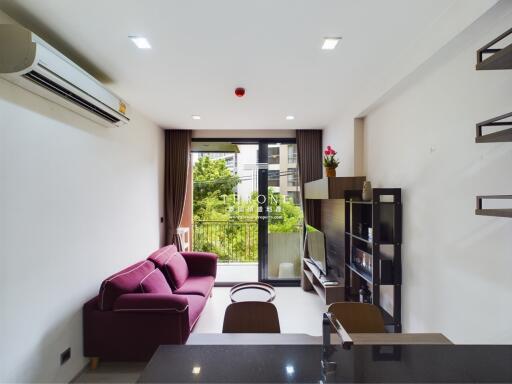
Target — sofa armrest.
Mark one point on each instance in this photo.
(150, 302)
(201, 263)
(132, 331)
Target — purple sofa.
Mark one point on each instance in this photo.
(153, 302)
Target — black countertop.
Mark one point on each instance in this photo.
(303, 364)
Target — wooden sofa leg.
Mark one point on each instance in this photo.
(211, 293)
(94, 362)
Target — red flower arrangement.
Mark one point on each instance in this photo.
(329, 160)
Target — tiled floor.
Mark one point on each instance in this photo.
(299, 312)
(236, 272)
(112, 373)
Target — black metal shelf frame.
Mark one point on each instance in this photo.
(504, 135)
(366, 240)
(499, 212)
(499, 58)
(364, 275)
(352, 199)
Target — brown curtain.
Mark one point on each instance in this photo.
(177, 161)
(309, 156)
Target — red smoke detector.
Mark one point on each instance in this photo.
(239, 92)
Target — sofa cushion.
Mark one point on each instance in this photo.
(126, 281)
(196, 285)
(176, 270)
(162, 255)
(196, 304)
(172, 264)
(155, 282)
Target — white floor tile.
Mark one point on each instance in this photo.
(299, 311)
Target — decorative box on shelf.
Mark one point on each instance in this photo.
(332, 187)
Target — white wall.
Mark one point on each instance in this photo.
(456, 265)
(78, 202)
(400, 62)
(340, 135)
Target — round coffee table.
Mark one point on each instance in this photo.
(252, 292)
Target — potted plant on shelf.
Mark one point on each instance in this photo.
(330, 162)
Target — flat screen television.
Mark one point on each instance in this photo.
(315, 243)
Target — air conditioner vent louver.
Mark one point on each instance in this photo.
(70, 96)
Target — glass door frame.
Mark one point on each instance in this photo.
(262, 189)
(262, 222)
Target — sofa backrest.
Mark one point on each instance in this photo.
(126, 281)
(172, 264)
(162, 255)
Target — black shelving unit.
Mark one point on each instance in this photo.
(375, 259)
(496, 58)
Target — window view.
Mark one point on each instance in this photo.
(224, 220)
(227, 204)
(285, 214)
(273, 178)
(292, 177)
(292, 153)
(273, 154)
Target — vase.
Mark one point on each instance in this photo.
(330, 172)
(367, 191)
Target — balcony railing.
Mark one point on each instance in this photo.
(233, 241)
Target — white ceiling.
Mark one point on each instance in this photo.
(202, 50)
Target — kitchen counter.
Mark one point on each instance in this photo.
(305, 339)
(312, 364)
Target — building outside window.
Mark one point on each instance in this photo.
(230, 162)
(292, 153)
(294, 196)
(273, 155)
(273, 178)
(292, 177)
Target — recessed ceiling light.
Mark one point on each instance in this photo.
(290, 117)
(196, 370)
(290, 370)
(196, 117)
(140, 42)
(330, 43)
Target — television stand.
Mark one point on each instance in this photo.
(327, 287)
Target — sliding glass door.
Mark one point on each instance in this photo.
(280, 220)
(225, 215)
(246, 208)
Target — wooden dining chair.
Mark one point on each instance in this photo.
(358, 317)
(251, 317)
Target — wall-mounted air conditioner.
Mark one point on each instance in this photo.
(28, 61)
